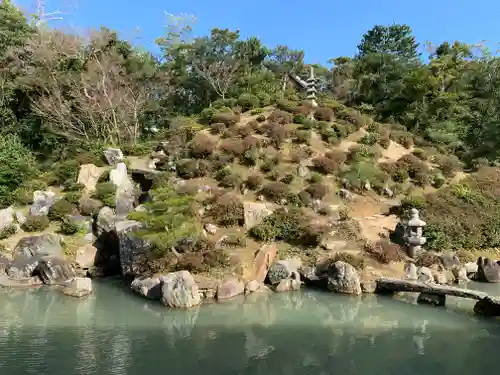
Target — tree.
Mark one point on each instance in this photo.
(396, 40)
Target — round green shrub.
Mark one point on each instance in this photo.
(248, 101)
(61, 209)
(35, 223)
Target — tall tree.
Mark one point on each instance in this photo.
(396, 40)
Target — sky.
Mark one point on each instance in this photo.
(322, 28)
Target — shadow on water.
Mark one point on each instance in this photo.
(46, 333)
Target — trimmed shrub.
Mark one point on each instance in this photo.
(360, 172)
(227, 210)
(317, 190)
(232, 180)
(385, 252)
(275, 191)
(370, 139)
(228, 119)
(60, 209)
(417, 170)
(254, 181)
(69, 227)
(217, 128)
(302, 136)
(339, 157)
(261, 118)
(202, 146)
(296, 156)
(305, 198)
(362, 152)
(35, 223)
(325, 165)
(106, 192)
(280, 117)
(233, 147)
(187, 168)
(8, 231)
(248, 101)
(354, 260)
(278, 135)
(448, 164)
(315, 178)
(323, 114)
(352, 116)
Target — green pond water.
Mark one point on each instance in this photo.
(116, 333)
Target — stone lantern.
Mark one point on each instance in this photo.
(413, 234)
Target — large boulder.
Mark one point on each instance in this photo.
(262, 262)
(106, 220)
(88, 176)
(6, 218)
(78, 287)
(29, 251)
(86, 256)
(131, 248)
(282, 270)
(255, 213)
(125, 190)
(149, 287)
(289, 285)
(42, 201)
(53, 270)
(179, 290)
(343, 278)
(488, 271)
(4, 264)
(488, 306)
(230, 288)
(113, 156)
(449, 260)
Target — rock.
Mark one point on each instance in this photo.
(84, 223)
(316, 205)
(230, 288)
(125, 190)
(281, 270)
(88, 176)
(119, 176)
(449, 260)
(345, 194)
(205, 189)
(255, 213)
(106, 220)
(252, 286)
(388, 192)
(54, 270)
(113, 156)
(42, 201)
(471, 267)
(431, 299)
(20, 217)
(211, 228)
(4, 264)
(303, 171)
(460, 274)
(89, 206)
(6, 218)
(367, 186)
(368, 279)
(441, 277)
(43, 245)
(343, 278)
(334, 212)
(78, 287)
(179, 290)
(262, 262)
(125, 202)
(131, 247)
(368, 286)
(425, 275)
(149, 287)
(410, 270)
(488, 271)
(488, 306)
(85, 256)
(333, 245)
(289, 285)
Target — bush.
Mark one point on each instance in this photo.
(325, 165)
(317, 190)
(228, 119)
(278, 135)
(290, 226)
(220, 160)
(188, 169)
(417, 170)
(323, 114)
(89, 207)
(73, 197)
(233, 147)
(228, 210)
(385, 252)
(35, 223)
(69, 227)
(232, 180)
(250, 142)
(202, 146)
(287, 105)
(352, 116)
(299, 119)
(302, 136)
(8, 231)
(315, 178)
(419, 153)
(106, 192)
(362, 172)
(60, 209)
(257, 111)
(354, 260)
(280, 117)
(275, 191)
(385, 142)
(248, 101)
(370, 139)
(261, 118)
(337, 156)
(17, 165)
(207, 114)
(448, 164)
(217, 128)
(288, 179)
(305, 198)
(254, 181)
(362, 152)
(250, 157)
(222, 173)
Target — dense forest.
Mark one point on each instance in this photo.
(65, 96)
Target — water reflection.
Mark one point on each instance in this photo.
(113, 332)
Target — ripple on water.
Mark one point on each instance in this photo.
(114, 332)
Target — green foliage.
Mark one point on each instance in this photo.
(248, 101)
(69, 226)
(8, 231)
(363, 171)
(289, 226)
(105, 192)
(35, 223)
(227, 210)
(370, 139)
(169, 217)
(60, 209)
(17, 165)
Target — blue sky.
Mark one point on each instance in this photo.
(322, 28)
